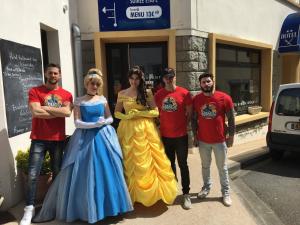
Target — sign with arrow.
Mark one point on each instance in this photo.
(120, 15)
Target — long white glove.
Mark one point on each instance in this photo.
(88, 125)
(109, 120)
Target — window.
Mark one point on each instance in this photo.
(44, 43)
(238, 71)
(50, 45)
(289, 102)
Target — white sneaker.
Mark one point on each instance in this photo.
(28, 214)
(227, 200)
(186, 204)
(203, 193)
(1, 200)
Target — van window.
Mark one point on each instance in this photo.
(288, 103)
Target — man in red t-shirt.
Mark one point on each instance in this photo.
(210, 108)
(175, 108)
(49, 105)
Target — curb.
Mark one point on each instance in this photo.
(238, 162)
(260, 211)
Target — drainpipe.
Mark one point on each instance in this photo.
(76, 36)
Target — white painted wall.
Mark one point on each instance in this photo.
(254, 20)
(20, 22)
(180, 14)
(88, 19)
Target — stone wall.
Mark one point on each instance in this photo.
(191, 61)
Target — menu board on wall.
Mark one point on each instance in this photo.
(133, 15)
(21, 70)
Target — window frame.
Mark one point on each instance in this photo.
(266, 70)
(237, 64)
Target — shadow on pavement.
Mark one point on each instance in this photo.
(288, 166)
(6, 217)
(194, 199)
(111, 220)
(147, 212)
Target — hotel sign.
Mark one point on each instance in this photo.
(289, 39)
(121, 15)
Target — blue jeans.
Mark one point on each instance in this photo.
(37, 154)
(220, 152)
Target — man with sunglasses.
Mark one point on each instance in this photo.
(49, 105)
(175, 110)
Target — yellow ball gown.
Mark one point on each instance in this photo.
(147, 169)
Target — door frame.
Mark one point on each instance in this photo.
(126, 64)
(101, 38)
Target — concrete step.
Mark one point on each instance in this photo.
(241, 156)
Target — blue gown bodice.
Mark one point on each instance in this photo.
(92, 111)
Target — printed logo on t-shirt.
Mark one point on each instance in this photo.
(53, 101)
(169, 105)
(208, 111)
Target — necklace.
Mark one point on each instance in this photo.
(90, 94)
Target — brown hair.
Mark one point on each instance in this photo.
(53, 65)
(141, 89)
(210, 75)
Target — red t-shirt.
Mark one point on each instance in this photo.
(211, 116)
(172, 111)
(49, 129)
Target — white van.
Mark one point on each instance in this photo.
(284, 121)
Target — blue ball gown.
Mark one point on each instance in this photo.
(91, 185)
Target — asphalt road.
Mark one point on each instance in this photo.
(271, 190)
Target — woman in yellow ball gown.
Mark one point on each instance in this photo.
(147, 169)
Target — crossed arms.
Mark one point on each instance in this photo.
(47, 112)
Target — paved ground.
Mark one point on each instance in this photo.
(210, 211)
(276, 184)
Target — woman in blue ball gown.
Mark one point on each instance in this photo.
(90, 185)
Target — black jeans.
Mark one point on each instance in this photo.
(37, 154)
(178, 147)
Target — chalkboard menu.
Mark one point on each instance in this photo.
(21, 70)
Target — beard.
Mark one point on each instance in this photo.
(53, 82)
(207, 89)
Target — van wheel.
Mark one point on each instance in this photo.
(276, 154)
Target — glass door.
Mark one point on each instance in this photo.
(151, 57)
(117, 65)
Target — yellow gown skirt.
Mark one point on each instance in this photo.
(147, 169)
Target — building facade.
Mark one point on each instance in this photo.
(33, 33)
(236, 41)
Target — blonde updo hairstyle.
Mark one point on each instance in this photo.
(94, 75)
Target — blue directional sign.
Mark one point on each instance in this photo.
(120, 15)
